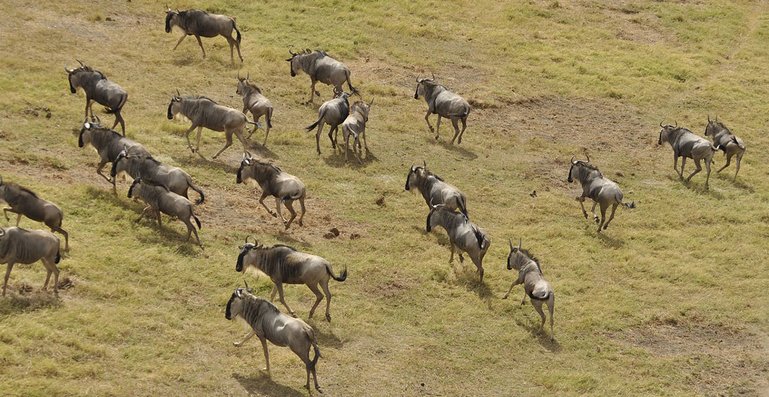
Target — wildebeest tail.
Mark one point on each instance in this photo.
(58, 257)
(480, 237)
(197, 189)
(540, 298)
(629, 205)
(197, 221)
(315, 124)
(349, 83)
(237, 32)
(341, 277)
(740, 145)
(311, 335)
(118, 107)
(269, 118)
(463, 206)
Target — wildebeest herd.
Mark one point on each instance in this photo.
(164, 189)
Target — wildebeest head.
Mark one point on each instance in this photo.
(246, 162)
(171, 19)
(415, 174)
(430, 223)
(174, 107)
(244, 82)
(84, 137)
(574, 168)
(235, 304)
(515, 256)
(120, 156)
(421, 83)
(244, 250)
(665, 132)
(293, 62)
(714, 126)
(363, 108)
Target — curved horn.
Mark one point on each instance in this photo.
(511, 243)
(98, 119)
(676, 123)
(433, 74)
(80, 62)
(246, 239)
(588, 157)
(244, 282)
(372, 101)
(708, 118)
(2, 232)
(238, 74)
(573, 161)
(520, 241)
(661, 125)
(248, 74)
(178, 93)
(424, 163)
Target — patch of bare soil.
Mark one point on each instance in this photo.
(720, 360)
(392, 283)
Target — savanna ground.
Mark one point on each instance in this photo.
(671, 300)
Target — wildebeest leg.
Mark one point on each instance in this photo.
(317, 136)
(728, 161)
(318, 297)
(333, 134)
(613, 209)
(266, 354)
(438, 127)
(478, 261)
(180, 41)
(261, 201)
(739, 159)
(604, 206)
(538, 307)
(227, 143)
(51, 267)
(515, 282)
(301, 204)
(65, 234)
(696, 171)
(581, 200)
(87, 106)
(312, 91)
(7, 274)
(144, 212)
(365, 144)
(190, 229)
(231, 42)
(187, 136)
(455, 123)
(675, 163)
(451, 258)
(429, 112)
(200, 43)
(328, 300)
(347, 146)
(18, 219)
(243, 141)
(247, 337)
(462, 133)
(523, 300)
(550, 307)
(595, 217)
(273, 292)
(683, 163)
(707, 169)
(290, 207)
(5, 212)
(278, 201)
(282, 299)
(119, 119)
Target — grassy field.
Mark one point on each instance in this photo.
(671, 300)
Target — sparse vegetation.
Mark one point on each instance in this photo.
(671, 300)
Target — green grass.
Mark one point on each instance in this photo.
(671, 300)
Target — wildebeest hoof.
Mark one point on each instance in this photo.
(585, 214)
(328, 317)
(274, 214)
(595, 218)
(236, 344)
(317, 93)
(505, 297)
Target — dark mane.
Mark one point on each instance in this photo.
(284, 246)
(430, 173)
(199, 97)
(13, 185)
(532, 257)
(253, 86)
(587, 165)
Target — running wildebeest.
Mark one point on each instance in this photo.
(686, 144)
(355, 125)
(332, 112)
(320, 67)
(98, 89)
(435, 190)
(137, 164)
(534, 283)
(598, 188)
(463, 234)
(286, 265)
(274, 182)
(204, 112)
(29, 246)
(108, 144)
(256, 103)
(444, 103)
(23, 201)
(727, 142)
(269, 324)
(159, 199)
(202, 24)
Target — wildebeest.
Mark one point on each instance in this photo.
(204, 112)
(332, 112)
(726, 141)
(23, 201)
(444, 103)
(202, 24)
(137, 164)
(274, 182)
(534, 283)
(29, 246)
(435, 190)
(286, 265)
(598, 188)
(269, 324)
(258, 104)
(320, 67)
(108, 144)
(686, 144)
(355, 125)
(159, 199)
(463, 234)
(97, 88)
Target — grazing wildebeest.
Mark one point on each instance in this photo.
(598, 188)
(202, 24)
(23, 201)
(108, 144)
(463, 234)
(320, 67)
(204, 112)
(534, 283)
(444, 103)
(435, 190)
(274, 182)
(29, 246)
(726, 141)
(286, 265)
(333, 112)
(269, 324)
(97, 88)
(355, 125)
(159, 199)
(686, 144)
(137, 164)
(256, 103)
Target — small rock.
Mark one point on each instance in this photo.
(380, 201)
(334, 231)
(354, 236)
(329, 235)
(533, 194)
(620, 174)
(109, 19)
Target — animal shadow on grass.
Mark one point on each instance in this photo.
(737, 183)
(542, 335)
(200, 161)
(263, 385)
(337, 159)
(286, 238)
(454, 148)
(168, 237)
(261, 150)
(326, 339)
(604, 238)
(19, 301)
(107, 196)
(468, 277)
(698, 188)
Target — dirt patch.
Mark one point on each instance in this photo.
(390, 284)
(719, 359)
